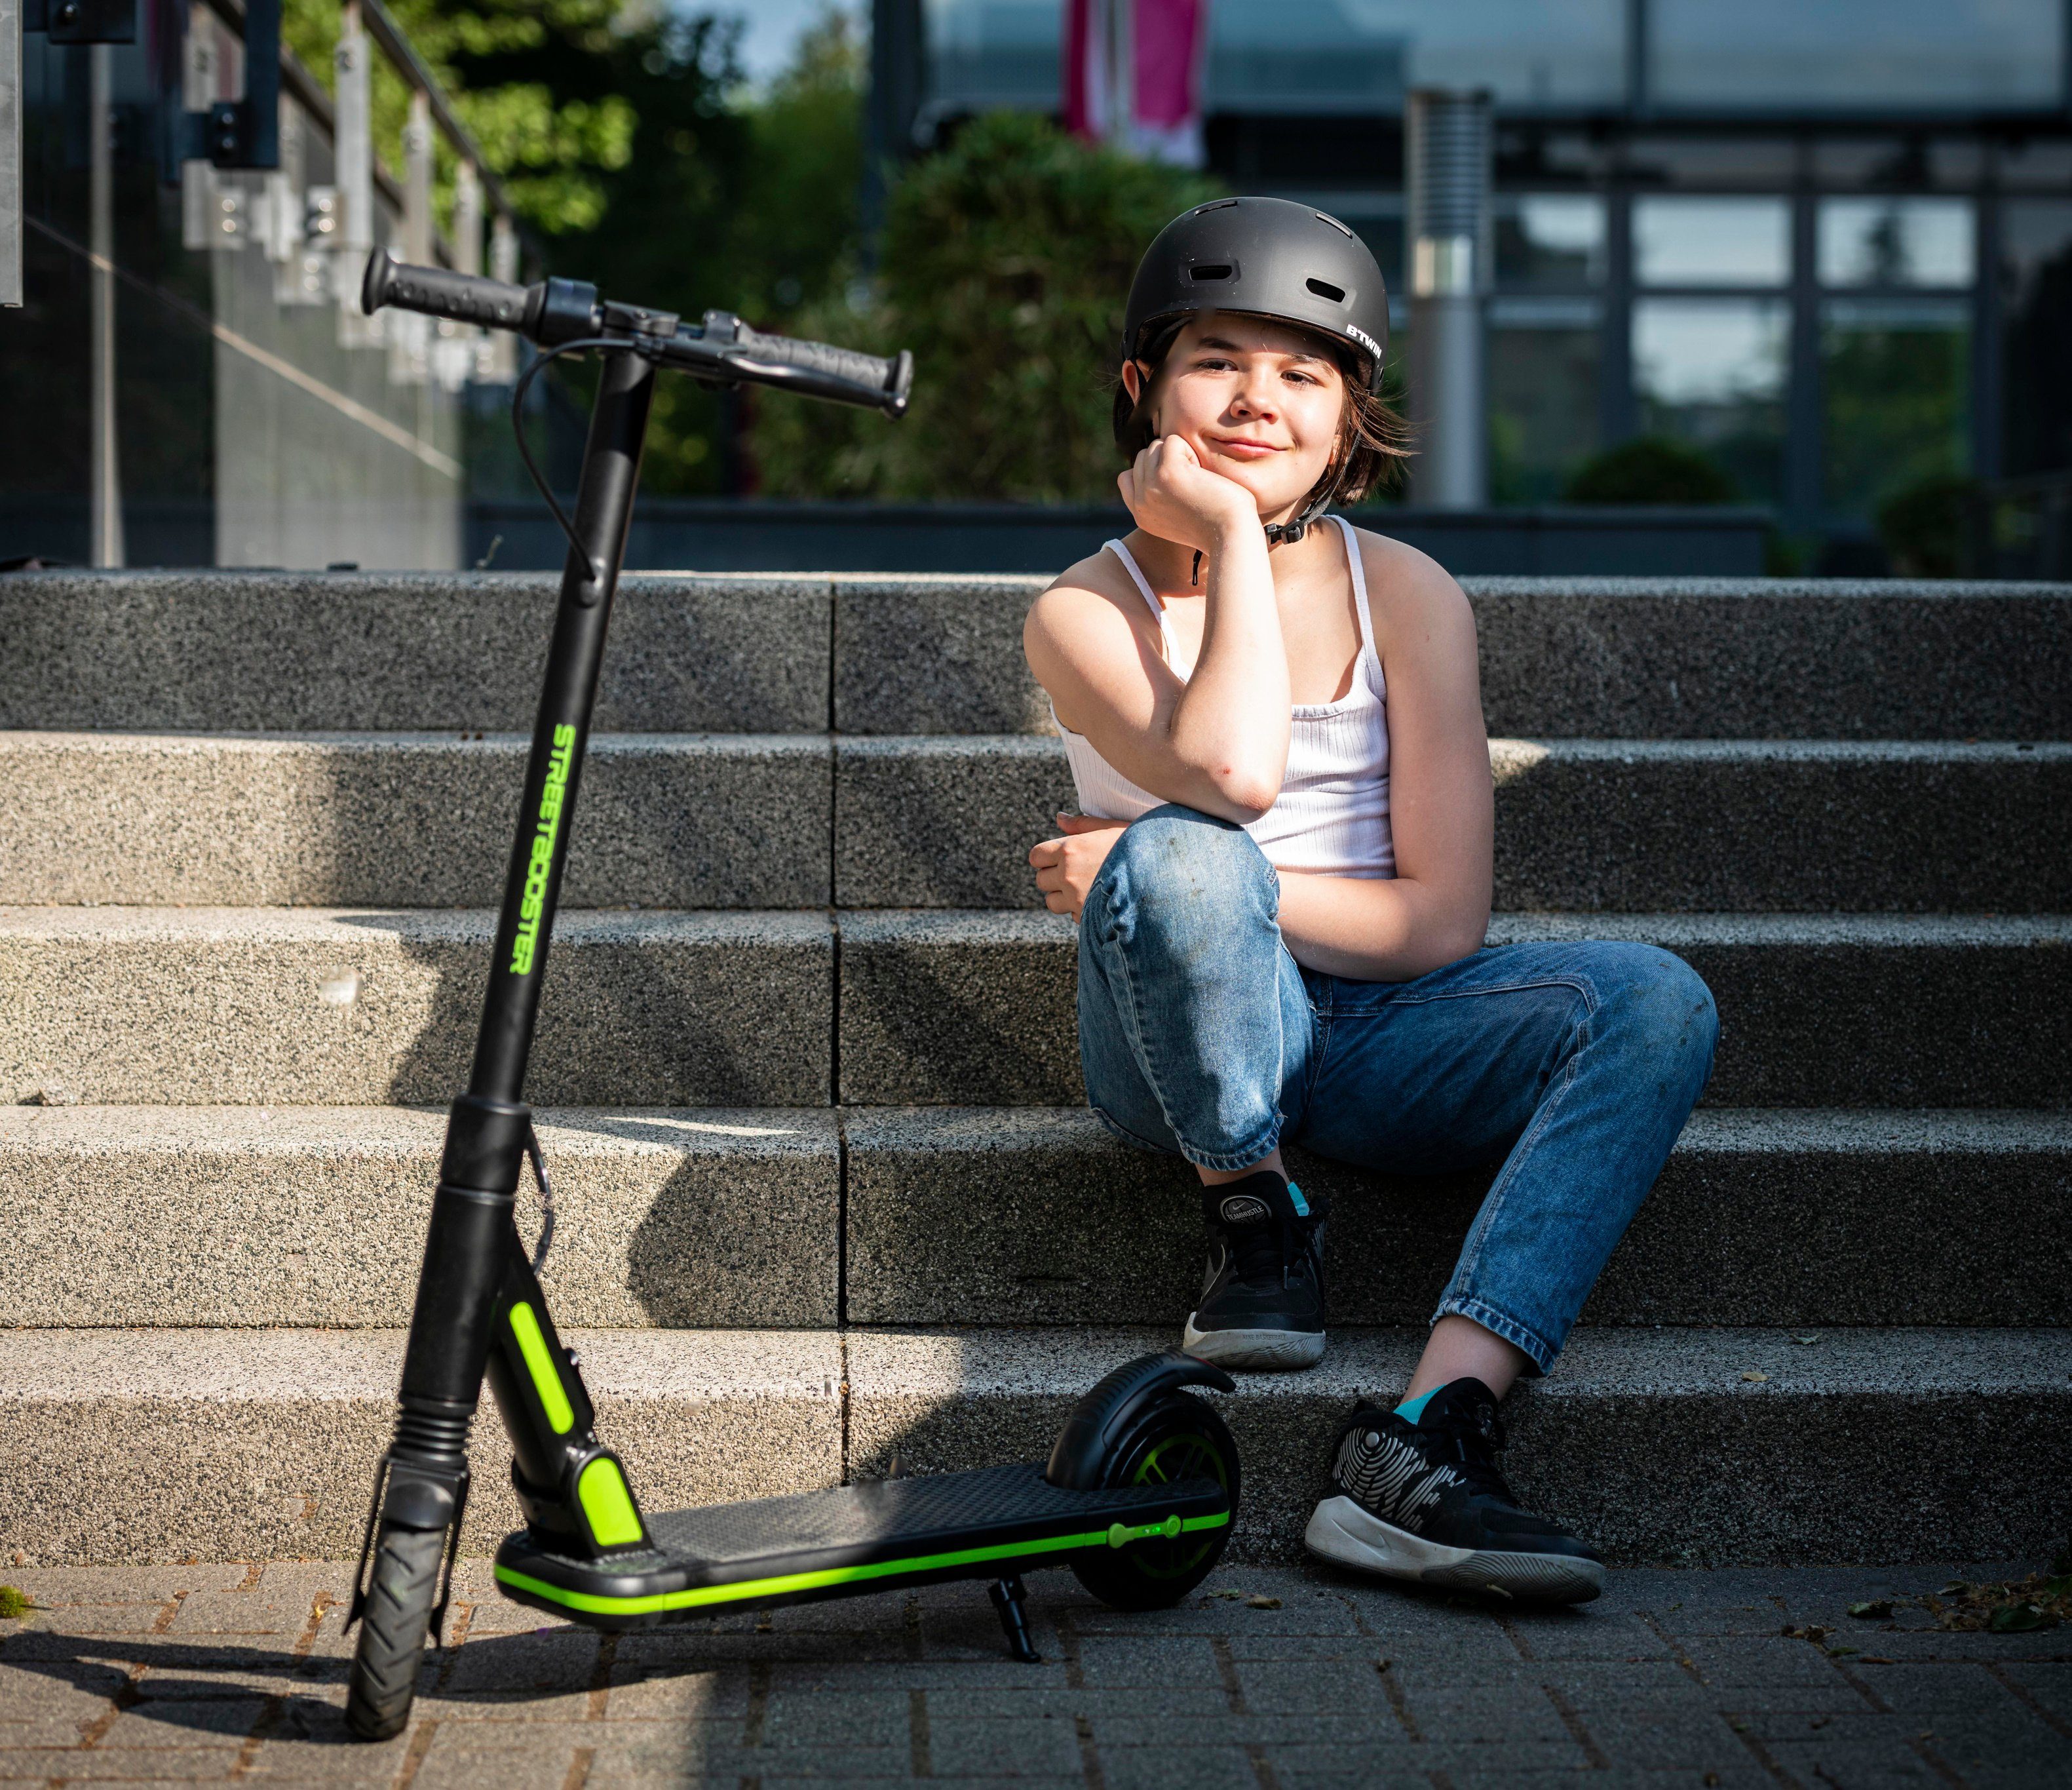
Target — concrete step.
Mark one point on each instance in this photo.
(337, 1008)
(970, 1009)
(1653, 1443)
(415, 819)
(1582, 825)
(744, 820)
(1698, 1445)
(315, 1216)
(1623, 657)
(1637, 658)
(152, 1446)
(1776, 1218)
(252, 1007)
(301, 651)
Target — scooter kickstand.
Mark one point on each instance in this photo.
(1006, 1595)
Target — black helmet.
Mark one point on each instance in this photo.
(1267, 258)
(1271, 258)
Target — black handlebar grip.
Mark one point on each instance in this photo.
(838, 372)
(436, 291)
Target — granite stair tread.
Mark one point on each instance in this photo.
(1869, 1442)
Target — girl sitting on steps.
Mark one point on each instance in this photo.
(1281, 873)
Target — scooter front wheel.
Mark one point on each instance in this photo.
(400, 1591)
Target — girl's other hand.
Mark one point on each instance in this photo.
(1065, 868)
(1172, 495)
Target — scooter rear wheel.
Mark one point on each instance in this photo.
(1179, 1438)
(385, 1664)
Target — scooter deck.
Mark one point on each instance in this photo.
(851, 1539)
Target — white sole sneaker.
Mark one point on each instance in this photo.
(1341, 1531)
(1270, 1350)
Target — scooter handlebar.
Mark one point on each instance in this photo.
(724, 349)
(728, 349)
(438, 292)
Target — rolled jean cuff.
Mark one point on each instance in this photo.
(1540, 1352)
(1229, 1162)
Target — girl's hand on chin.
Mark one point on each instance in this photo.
(1172, 495)
(1065, 868)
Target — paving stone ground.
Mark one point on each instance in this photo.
(1266, 1680)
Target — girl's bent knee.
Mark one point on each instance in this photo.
(1666, 1012)
(1180, 851)
(1183, 876)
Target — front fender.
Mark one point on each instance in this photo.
(1100, 1420)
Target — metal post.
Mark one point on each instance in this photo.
(354, 155)
(895, 91)
(467, 219)
(418, 180)
(1805, 421)
(198, 81)
(107, 481)
(499, 364)
(10, 152)
(1447, 175)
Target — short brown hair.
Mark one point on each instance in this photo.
(1374, 441)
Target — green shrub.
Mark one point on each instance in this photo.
(1007, 260)
(1652, 469)
(14, 1604)
(1922, 526)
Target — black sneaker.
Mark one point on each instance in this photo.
(1424, 1501)
(1262, 1303)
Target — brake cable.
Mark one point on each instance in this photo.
(525, 453)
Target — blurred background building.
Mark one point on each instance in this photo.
(1829, 245)
(1815, 258)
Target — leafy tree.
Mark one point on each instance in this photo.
(612, 126)
(1007, 258)
(1922, 526)
(1898, 413)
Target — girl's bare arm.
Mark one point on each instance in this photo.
(1219, 741)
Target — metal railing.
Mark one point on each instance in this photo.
(319, 234)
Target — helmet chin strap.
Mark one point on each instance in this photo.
(1282, 533)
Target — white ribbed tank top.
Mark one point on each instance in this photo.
(1331, 817)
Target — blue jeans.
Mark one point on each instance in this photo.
(1575, 1063)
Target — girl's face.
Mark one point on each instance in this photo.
(1259, 402)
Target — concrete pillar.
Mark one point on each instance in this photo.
(1447, 169)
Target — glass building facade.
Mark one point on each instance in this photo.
(254, 419)
(1829, 244)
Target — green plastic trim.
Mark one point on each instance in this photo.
(595, 1604)
(607, 1505)
(539, 1361)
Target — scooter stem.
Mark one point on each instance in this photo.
(465, 1250)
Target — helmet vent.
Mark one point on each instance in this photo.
(1211, 271)
(1325, 289)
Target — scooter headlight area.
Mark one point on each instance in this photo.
(1138, 1496)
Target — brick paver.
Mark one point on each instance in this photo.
(220, 1674)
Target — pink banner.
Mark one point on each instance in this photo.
(1150, 51)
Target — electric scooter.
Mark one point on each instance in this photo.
(1139, 1493)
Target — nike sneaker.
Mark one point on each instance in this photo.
(1262, 1301)
(1423, 1501)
